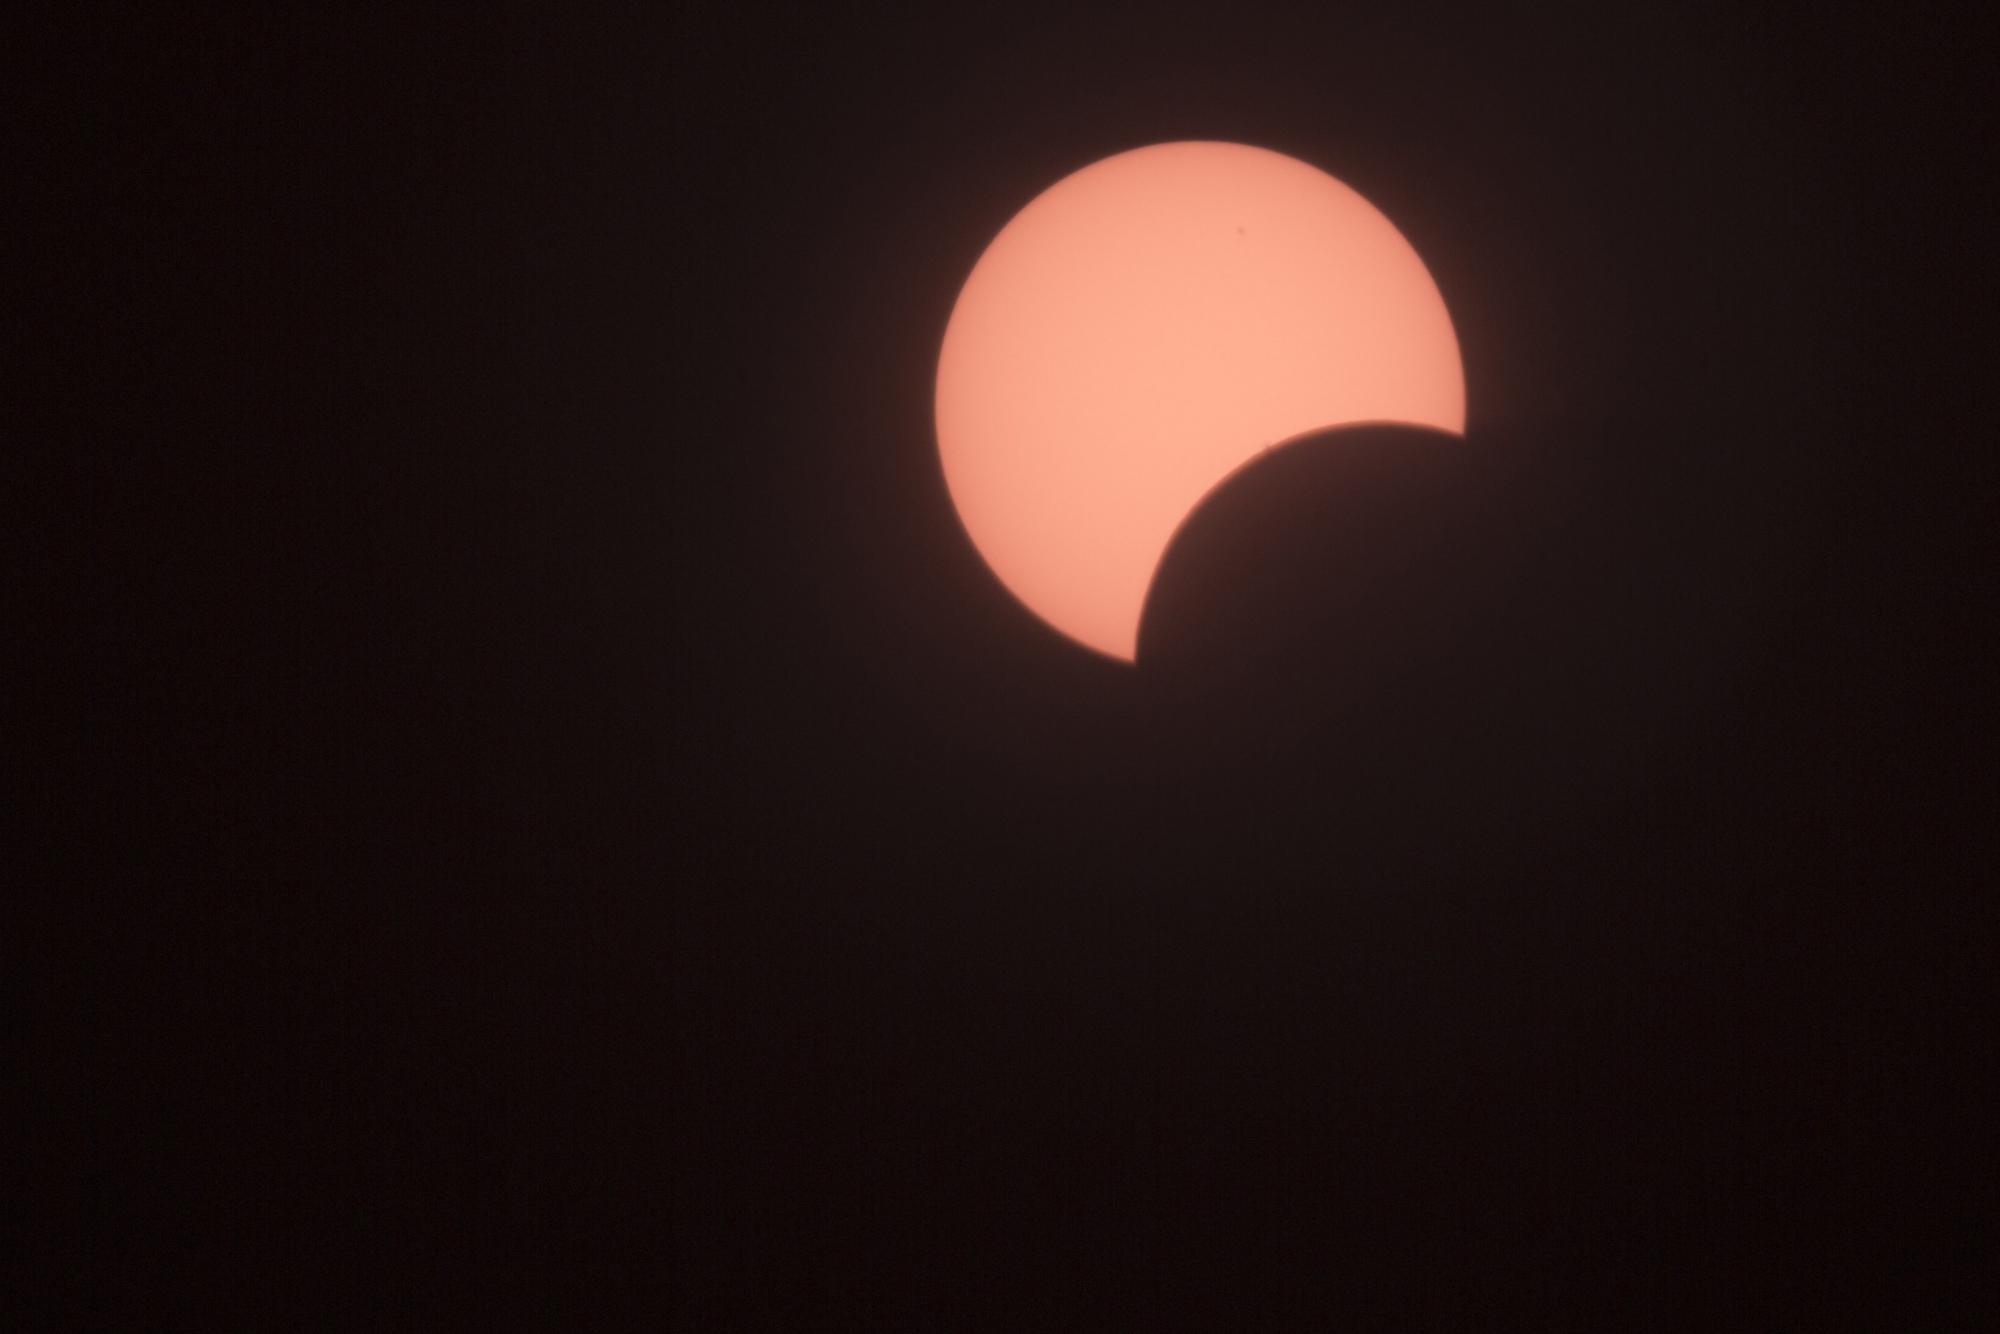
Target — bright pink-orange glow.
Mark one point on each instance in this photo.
(1145, 326)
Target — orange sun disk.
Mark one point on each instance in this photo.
(1143, 328)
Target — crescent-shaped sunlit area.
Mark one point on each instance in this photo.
(1143, 328)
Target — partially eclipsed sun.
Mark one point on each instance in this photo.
(1144, 327)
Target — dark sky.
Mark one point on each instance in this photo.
(557, 827)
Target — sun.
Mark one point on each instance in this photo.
(1145, 326)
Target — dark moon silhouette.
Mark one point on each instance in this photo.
(1410, 620)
